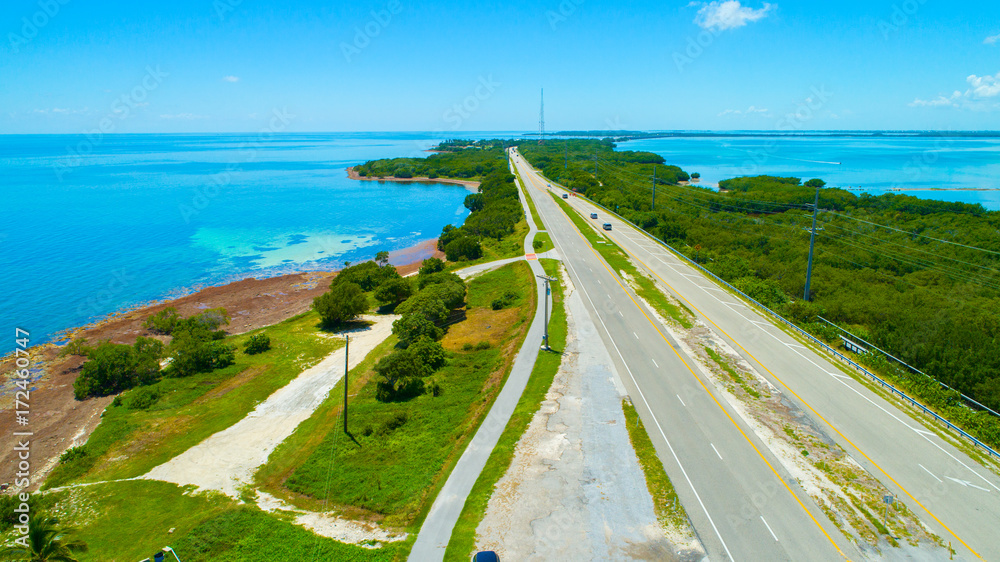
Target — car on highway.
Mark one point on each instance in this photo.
(565, 196)
(485, 556)
(607, 226)
(593, 215)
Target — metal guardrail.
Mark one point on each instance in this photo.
(892, 389)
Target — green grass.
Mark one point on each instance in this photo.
(128, 521)
(546, 241)
(643, 285)
(129, 443)
(463, 536)
(400, 453)
(248, 533)
(531, 203)
(667, 505)
(724, 364)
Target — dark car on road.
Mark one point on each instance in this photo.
(593, 215)
(607, 226)
(485, 556)
(565, 196)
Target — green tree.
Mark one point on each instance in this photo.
(431, 265)
(382, 258)
(401, 375)
(163, 322)
(427, 304)
(464, 248)
(413, 326)
(394, 291)
(46, 541)
(342, 303)
(257, 343)
(112, 367)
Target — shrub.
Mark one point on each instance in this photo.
(412, 327)
(72, 454)
(163, 322)
(402, 376)
(258, 343)
(368, 275)
(426, 303)
(394, 291)
(431, 265)
(508, 298)
(448, 234)
(464, 248)
(142, 398)
(196, 355)
(538, 244)
(343, 302)
(439, 277)
(482, 345)
(113, 367)
(429, 352)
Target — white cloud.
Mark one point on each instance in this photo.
(231, 78)
(185, 116)
(982, 90)
(719, 16)
(752, 110)
(991, 40)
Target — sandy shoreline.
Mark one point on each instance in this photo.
(59, 421)
(472, 186)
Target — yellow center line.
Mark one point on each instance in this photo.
(714, 399)
(807, 405)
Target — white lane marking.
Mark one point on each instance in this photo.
(654, 362)
(714, 289)
(872, 402)
(762, 324)
(620, 314)
(929, 472)
(966, 483)
(732, 303)
(769, 528)
(599, 282)
(682, 402)
(794, 345)
(716, 451)
(690, 275)
(659, 427)
(636, 335)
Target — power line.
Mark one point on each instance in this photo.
(915, 234)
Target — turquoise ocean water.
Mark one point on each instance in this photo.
(916, 166)
(95, 226)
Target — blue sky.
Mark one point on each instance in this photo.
(71, 66)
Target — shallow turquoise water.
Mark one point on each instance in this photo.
(875, 165)
(144, 217)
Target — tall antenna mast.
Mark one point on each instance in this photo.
(541, 120)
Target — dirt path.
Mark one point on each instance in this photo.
(575, 489)
(228, 459)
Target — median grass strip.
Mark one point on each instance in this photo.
(643, 285)
(463, 538)
(542, 242)
(531, 203)
(732, 372)
(129, 442)
(667, 505)
(398, 454)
